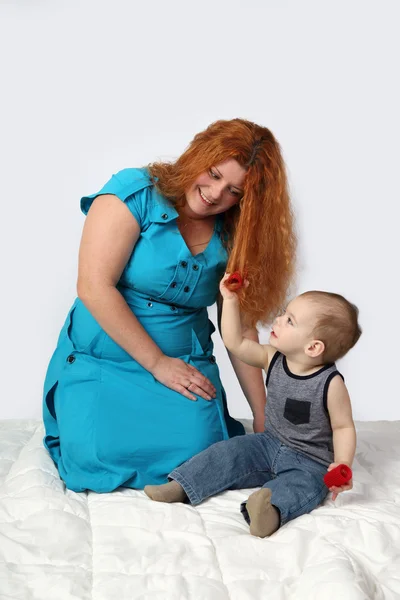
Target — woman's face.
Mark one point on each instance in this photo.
(215, 191)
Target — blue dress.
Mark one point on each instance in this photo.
(108, 421)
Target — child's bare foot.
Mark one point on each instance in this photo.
(167, 492)
(264, 518)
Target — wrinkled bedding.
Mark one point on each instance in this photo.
(59, 545)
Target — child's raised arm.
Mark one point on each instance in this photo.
(248, 351)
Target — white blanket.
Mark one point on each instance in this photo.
(56, 544)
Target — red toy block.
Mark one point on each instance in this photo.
(339, 476)
(234, 281)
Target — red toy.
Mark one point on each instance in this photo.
(234, 281)
(340, 475)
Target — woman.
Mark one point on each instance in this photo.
(133, 389)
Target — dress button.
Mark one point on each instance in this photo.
(173, 284)
(195, 267)
(164, 216)
(149, 304)
(212, 359)
(186, 288)
(183, 263)
(173, 308)
(71, 359)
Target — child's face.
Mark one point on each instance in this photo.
(292, 331)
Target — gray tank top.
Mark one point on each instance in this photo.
(296, 411)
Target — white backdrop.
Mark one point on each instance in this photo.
(90, 87)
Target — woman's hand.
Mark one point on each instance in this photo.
(336, 490)
(177, 375)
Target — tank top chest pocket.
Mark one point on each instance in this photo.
(297, 412)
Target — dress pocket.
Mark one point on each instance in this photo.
(297, 411)
(174, 286)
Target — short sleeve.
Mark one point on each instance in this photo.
(129, 185)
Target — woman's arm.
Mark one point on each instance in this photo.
(109, 237)
(250, 378)
(252, 383)
(108, 240)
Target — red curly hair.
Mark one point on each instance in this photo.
(260, 235)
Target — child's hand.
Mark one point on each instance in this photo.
(227, 294)
(343, 488)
